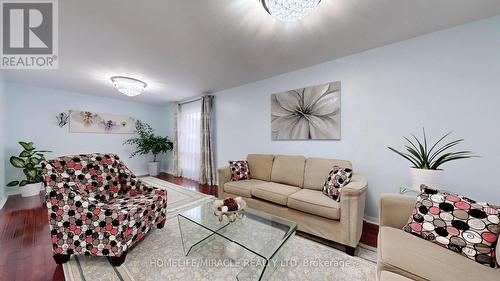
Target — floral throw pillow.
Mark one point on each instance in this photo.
(457, 223)
(336, 180)
(239, 170)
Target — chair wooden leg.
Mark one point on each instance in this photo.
(60, 259)
(117, 261)
(350, 250)
(160, 225)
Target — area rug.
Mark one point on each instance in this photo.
(178, 197)
(160, 256)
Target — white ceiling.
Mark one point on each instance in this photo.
(183, 48)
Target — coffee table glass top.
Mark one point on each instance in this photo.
(258, 232)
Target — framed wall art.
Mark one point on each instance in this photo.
(310, 113)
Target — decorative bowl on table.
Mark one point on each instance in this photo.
(230, 208)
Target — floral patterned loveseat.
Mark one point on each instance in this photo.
(98, 207)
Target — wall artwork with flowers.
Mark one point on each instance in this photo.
(93, 122)
(310, 113)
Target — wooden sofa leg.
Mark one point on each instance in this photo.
(117, 261)
(350, 250)
(161, 224)
(60, 259)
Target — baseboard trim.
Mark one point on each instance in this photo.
(3, 201)
(371, 220)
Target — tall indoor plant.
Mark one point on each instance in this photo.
(427, 159)
(29, 160)
(147, 142)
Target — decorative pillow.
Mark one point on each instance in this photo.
(239, 170)
(457, 223)
(336, 180)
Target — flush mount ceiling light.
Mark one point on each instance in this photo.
(289, 10)
(129, 86)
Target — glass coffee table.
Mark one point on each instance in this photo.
(257, 237)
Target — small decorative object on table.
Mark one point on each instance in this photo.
(230, 208)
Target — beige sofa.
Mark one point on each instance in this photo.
(403, 256)
(291, 187)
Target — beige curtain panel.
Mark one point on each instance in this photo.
(207, 167)
(175, 152)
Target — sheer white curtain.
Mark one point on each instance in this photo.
(189, 140)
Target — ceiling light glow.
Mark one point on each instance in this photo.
(129, 86)
(289, 10)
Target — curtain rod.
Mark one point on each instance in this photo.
(190, 100)
(193, 99)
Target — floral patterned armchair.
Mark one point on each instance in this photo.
(97, 206)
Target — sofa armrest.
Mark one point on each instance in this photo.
(224, 176)
(352, 209)
(395, 209)
(356, 186)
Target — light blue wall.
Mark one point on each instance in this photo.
(2, 141)
(445, 81)
(31, 116)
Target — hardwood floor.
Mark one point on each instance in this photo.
(25, 245)
(190, 184)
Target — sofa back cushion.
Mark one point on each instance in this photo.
(317, 169)
(99, 176)
(288, 170)
(260, 166)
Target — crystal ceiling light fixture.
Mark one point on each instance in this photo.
(129, 86)
(289, 10)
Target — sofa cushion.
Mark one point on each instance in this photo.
(289, 170)
(274, 192)
(242, 188)
(391, 276)
(458, 223)
(260, 166)
(412, 257)
(314, 202)
(317, 169)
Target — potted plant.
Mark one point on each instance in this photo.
(147, 142)
(29, 160)
(426, 160)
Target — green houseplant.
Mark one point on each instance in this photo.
(426, 160)
(147, 142)
(29, 160)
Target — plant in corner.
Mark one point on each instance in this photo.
(427, 159)
(29, 160)
(147, 142)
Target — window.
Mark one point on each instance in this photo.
(189, 140)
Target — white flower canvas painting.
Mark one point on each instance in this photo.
(311, 113)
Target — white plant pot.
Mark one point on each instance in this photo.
(31, 189)
(424, 176)
(154, 168)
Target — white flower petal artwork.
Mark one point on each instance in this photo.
(310, 113)
(92, 122)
